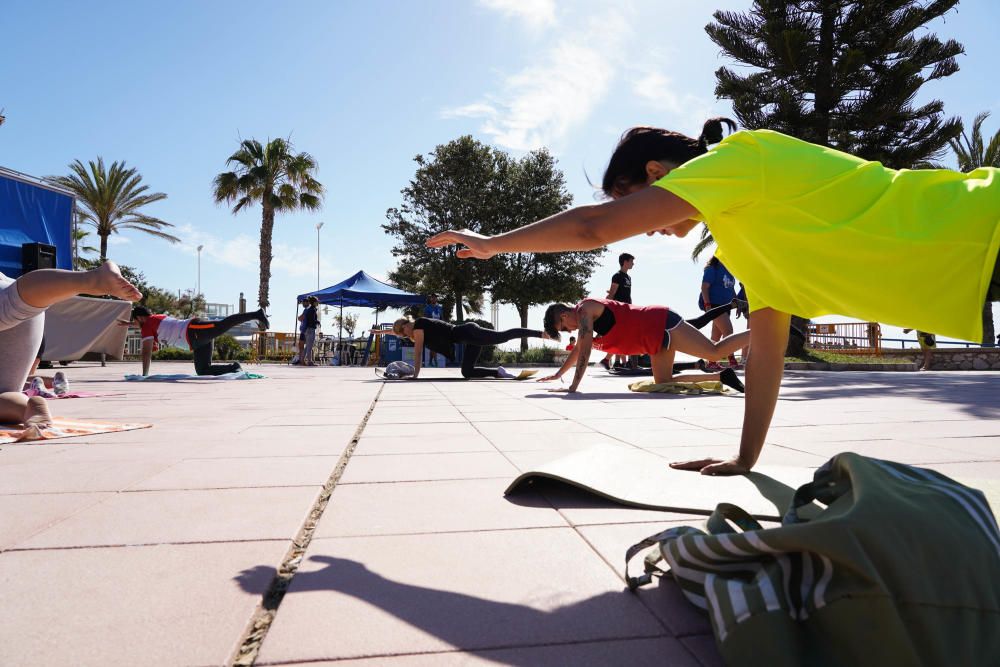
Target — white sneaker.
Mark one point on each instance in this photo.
(38, 386)
(504, 373)
(60, 384)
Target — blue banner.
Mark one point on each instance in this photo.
(33, 213)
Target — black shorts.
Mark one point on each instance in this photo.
(302, 336)
(673, 319)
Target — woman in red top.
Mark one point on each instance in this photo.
(622, 328)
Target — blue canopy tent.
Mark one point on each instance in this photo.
(363, 291)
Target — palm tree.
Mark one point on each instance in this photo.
(112, 199)
(277, 178)
(79, 237)
(972, 152)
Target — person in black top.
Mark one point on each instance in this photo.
(310, 322)
(441, 337)
(621, 290)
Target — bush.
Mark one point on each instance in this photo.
(173, 354)
(228, 349)
(534, 355)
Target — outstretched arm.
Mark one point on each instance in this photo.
(582, 228)
(147, 354)
(585, 340)
(418, 351)
(568, 364)
(768, 340)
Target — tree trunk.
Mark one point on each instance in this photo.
(266, 254)
(459, 316)
(104, 248)
(989, 335)
(522, 310)
(824, 99)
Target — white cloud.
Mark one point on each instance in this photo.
(118, 239)
(535, 13)
(542, 103)
(243, 252)
(660, 93)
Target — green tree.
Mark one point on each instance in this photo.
(839, 73)
(454, 187)
(349, 322)
(533, 188)
(112, 199)
(276, 177)
(972, 152)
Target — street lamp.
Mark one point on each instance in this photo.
(319, 226)
(199, 271)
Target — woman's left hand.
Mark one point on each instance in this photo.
(477, 246)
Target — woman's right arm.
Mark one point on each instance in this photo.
(704, 296)
(568, 364)
(651, 209)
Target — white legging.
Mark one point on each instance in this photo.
(21, 328)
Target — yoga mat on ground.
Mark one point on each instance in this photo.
(691, 388)
(70, 394)
(637, 478)
(177, 377)
(62, 428)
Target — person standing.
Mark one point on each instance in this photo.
(433, 311)
(310, 322)
(718, 287)
(620, 290)
(928, 343)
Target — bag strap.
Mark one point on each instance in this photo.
(827, 486)
(719, 522)
(650, 562)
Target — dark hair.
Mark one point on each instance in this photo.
(639, 145)
(712, 261)
(139, 311)
(624, 257)
(551, 319)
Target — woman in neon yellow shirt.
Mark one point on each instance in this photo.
(803, 226)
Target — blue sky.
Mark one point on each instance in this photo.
(364, 87)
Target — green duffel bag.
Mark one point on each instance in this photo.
(901, 567)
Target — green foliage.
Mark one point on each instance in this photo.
(467, 184)
(842, 74)
(228, 349)
(276, 177)
(533, 355)
(113, 199)
(172, 354)
(349, 323)
(453, 188)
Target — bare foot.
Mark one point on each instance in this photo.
(110, 281)
(36, 412)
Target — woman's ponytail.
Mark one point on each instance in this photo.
(711, 131)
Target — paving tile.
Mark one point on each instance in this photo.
(158, 517)
(371, 446)
(420, 430)
(410, 594)
(241, 472)
(333, 443)
(554, 442)
(651, 652)
(421, 467)
(50, 476)
(25, 515)
(177, 605)
(432, 507)
(531, 427)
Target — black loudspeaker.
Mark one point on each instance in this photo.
(37, 256)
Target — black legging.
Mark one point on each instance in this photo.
(697, 323)
(201, 334)
(476, 337)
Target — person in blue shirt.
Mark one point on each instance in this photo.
(432, 311)
(718, 287)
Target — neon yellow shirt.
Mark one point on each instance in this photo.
(813, 231)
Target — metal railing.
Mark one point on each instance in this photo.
(862, 338)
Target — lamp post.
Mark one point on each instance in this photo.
(319, 226)
(199, 271)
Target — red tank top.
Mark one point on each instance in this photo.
(637, 329)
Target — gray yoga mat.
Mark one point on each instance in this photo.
(637, 478)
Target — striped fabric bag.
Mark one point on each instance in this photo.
(900, 567)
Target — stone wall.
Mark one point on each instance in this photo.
(955, 359)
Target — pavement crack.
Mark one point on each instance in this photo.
(259, 624)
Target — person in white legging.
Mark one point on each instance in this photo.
(22, 319)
